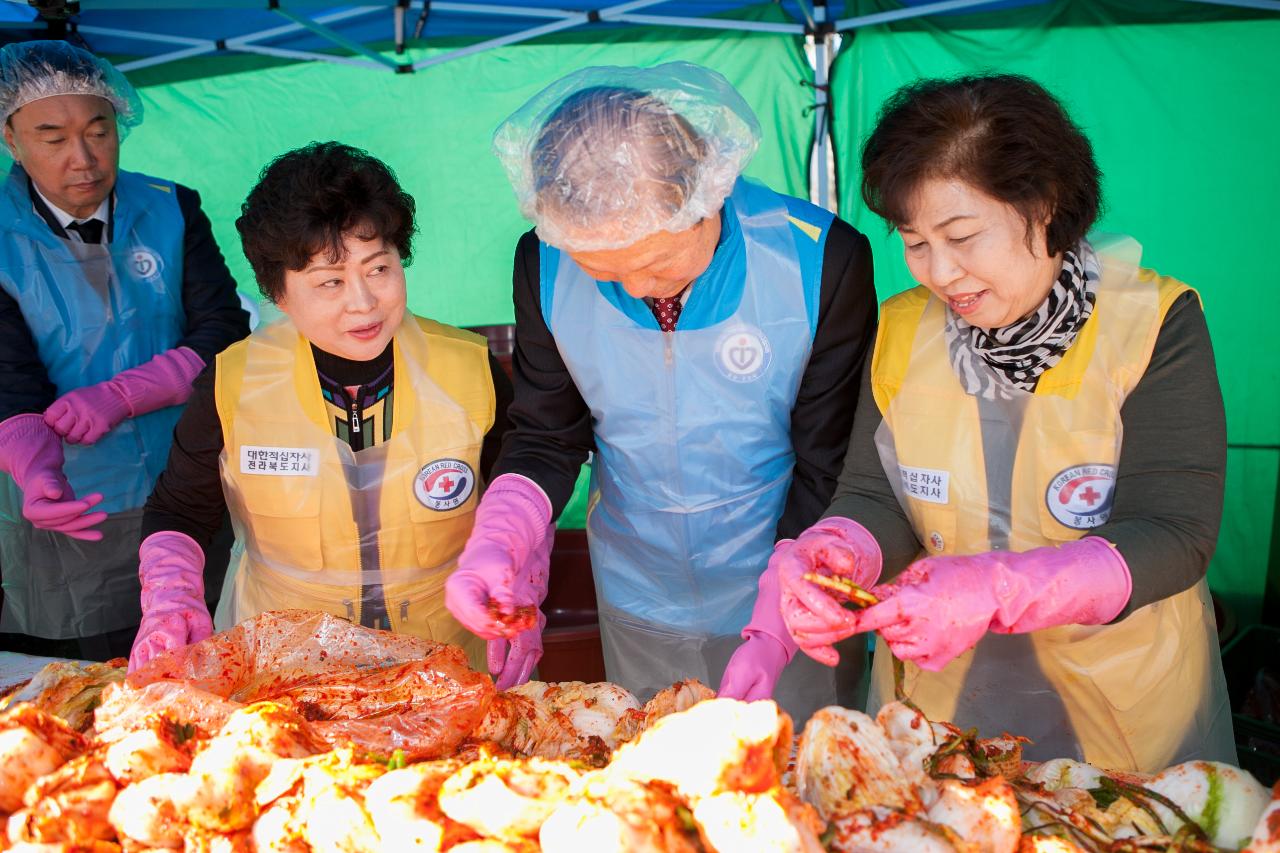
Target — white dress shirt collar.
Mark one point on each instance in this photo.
(65, 219)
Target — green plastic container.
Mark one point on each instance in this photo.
(1254, 650)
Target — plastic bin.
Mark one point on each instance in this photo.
(502, 342)
(1254, 655)
(571, 642)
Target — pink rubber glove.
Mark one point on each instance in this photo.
(171, 568)
(816, 619)
(511, 662)
(32, 455)
(754, 669)
(87, 414)
(495, 574)
(940, 607)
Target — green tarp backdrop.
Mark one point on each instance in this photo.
(1181, 105)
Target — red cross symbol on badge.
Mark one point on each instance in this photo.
(1089, 496)
(446, 484)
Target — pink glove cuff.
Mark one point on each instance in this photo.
(527, 493)
(162, 382)
(21, 428)
(862, 542)
(766, 617)
(170, 566)
(1085, 582)
(1113, 567)
(26, 440)
(788, 645)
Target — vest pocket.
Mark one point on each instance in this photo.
(438, 537)
(442, 500)
(1074, 484)
(935, 525)
(283, 521)
(1143, 707)
(417, 609)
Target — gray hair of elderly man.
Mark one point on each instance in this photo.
(608, 150)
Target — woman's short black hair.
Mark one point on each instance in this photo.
(306, 200)
(1000, 133)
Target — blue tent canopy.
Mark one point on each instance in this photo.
(151, 32)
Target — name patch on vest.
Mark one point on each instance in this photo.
(926, 484)
(444, 484)
(1080, 497)
(279, 461)
(743, 354)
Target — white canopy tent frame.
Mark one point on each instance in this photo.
(822, 39)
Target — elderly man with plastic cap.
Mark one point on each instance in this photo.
(113, 296)
(702, 334)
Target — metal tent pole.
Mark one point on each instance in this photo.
(402, 6)
(1264, 5)
(332, 35)
(823, 42)
(708, 24)
(909, 12)
(567, 20)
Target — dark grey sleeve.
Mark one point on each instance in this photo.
(1173, 458)
(863, 492)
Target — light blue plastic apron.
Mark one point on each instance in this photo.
(694, 456)
(93, 311)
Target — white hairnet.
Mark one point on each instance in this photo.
(608, 155)
(33, 70)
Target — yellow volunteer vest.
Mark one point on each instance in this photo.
(1137, 695)
(316, 521)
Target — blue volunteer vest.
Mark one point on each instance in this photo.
(693, 428)
(93, 311)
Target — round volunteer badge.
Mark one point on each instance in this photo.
(444, 484)
(743, 354)
(1080, 497)
(144, 263)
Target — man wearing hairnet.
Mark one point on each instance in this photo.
(113, 296)
(703, 335)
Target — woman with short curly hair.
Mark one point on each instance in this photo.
(346, 439)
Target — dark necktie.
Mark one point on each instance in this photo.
(667, 311)
(90, 230)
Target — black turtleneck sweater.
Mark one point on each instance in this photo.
(188, 495)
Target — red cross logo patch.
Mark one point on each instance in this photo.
(1080, 497)
(444, 484)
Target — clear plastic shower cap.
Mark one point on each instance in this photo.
(609, 155)
(32, 70)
